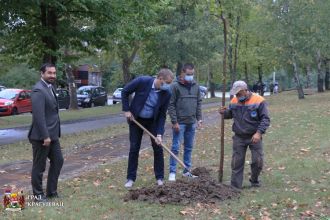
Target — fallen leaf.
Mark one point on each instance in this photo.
(282, 168)
(318, 204)
(183, 212)
(216, 211)
(295, 189)
(3, 171)
(97, 183)
(274, 205)
(307, 213)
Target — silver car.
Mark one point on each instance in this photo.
(116, 96)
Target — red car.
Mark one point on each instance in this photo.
(15, 101)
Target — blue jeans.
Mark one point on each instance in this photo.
(186, 133)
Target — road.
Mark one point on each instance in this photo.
(8, 136)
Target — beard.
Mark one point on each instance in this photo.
(50, 80)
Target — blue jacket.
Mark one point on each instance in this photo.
(142, 86)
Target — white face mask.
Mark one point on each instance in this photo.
(189, 78)
(165, 86)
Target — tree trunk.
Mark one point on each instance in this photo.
(327, 74)
(179, 66)
(211, 82)
(126, 63)
(261, 84)
(236, 49)
(230, 62)
(297, 81)
(320, 77)
(72, 87)
(223, 102)
(48, 21)
(126, 71)
(245, 63)
(230, 51)
(308, 76)
(246, 73)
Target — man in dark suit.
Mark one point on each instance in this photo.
(148, 107)
(44, 134)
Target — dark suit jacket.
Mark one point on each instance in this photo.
(142, 86)
(45, 118)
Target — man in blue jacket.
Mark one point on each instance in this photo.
(148, 107)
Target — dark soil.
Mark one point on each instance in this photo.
(185, 191)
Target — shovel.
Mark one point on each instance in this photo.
(162, 145)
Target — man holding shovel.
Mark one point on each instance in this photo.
(251, 120)
(148, 108)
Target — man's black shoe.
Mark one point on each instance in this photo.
(54, 196)
(40, 198)
(255, 183)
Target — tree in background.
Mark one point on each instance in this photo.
(44, 31)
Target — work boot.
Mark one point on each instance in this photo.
(171, 177)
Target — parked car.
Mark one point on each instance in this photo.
(2, 87)
(116, 96)
(15, 101)
(90, 96)
(63, 97)
(204, 91)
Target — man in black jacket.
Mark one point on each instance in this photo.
(44, 134)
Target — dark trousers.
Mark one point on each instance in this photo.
(135, 137)
(40, 155)
(238, 159)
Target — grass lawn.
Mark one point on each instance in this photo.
(296, 176)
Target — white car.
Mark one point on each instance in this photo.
(203, 91)
(116, 96)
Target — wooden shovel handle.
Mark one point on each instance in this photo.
(162, 145)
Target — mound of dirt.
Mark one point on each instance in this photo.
(185, 191)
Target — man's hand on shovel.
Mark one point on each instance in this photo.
(128, 115)
(158, 139)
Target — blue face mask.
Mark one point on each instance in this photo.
(242, 98)
(165, 87)
(189, 78)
